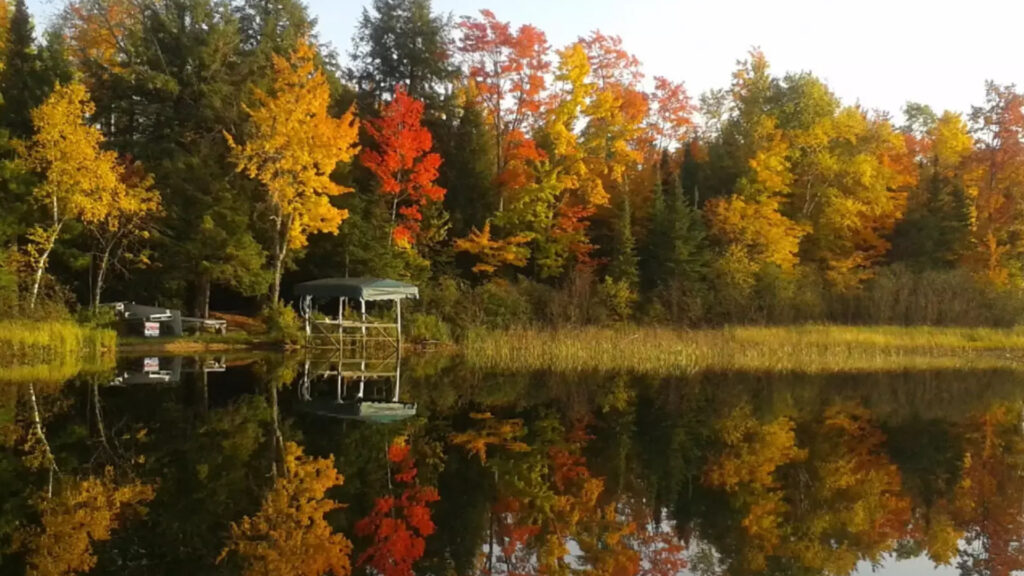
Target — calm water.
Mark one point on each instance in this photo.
(153, 468)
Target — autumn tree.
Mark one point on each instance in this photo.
(80, 180)
(289, 533)
(122, 232)
(553, 208)
(936, 231)
(509, 70)
(292, 146)
(493, 253)
(403, 164)
(82, 513)
(998, 126)
(672, 113)
(398, 525)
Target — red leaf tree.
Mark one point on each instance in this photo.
(403, 164)
(509, 70)
(398, 525)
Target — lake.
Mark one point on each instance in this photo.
(223, 464)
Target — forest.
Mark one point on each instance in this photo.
(211, 153)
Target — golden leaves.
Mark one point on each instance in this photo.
(81, 180)
(756, 230)
(80, 514)
(289, 535)
(492, 432)
(293, 145)
(493, 253)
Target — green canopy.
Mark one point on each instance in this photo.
(357, 289)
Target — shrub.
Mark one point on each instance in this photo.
(498, 304)
(425, 327)
(618, 298)
(283, 323)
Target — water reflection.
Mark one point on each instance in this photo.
(300, 465)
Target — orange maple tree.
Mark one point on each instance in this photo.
(509, 70)
(398, 525)
(673, 112)
(403, 164)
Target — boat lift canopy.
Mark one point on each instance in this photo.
(367, 289)
(330, 332)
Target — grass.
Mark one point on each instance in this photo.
(46, 351)
(805, 349)
(25, 342)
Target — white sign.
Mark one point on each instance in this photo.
(152, 329)
(151, 364)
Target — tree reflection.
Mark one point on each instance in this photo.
(989, 499)
(290, 534)
(559, 475)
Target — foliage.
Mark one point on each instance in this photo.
(81, 514)
(283, 323)
(80, 180)
(292, 147)
(398, 525)
(487, 154)
(290, 533)
(403, 165)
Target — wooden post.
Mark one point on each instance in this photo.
(362, 311)
(398, 321)
(398, 372)
(341, 331)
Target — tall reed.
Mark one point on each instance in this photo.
(52, 347)
(807, 349)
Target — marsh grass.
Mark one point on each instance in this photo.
(51, 350)
(814, 349)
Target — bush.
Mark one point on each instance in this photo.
(899, 295)
(424, 327)
(618, 298)
(283, 323)
(498, 304)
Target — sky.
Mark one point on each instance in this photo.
(878, 53)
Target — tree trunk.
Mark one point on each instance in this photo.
(394, 216)
(101, 275)
(40, 266)
(51, 239)
(202, 301)
(277, 442)
(280, 251)
(37, 427)
(275, 290)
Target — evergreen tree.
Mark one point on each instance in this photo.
(468, 168)
(687, 256)
(936, 230)
(401, 42)
(623, 266)
(21, 82)
(654, 250)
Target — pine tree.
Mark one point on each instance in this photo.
(687, 256)
(623, 266)
(401, 42)
(654, 247)
(468, 168)
(21, 83)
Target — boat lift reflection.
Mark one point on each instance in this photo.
(364, 389)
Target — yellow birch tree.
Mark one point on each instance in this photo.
(292, 146)
(80, 180)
